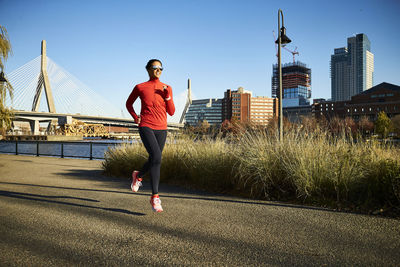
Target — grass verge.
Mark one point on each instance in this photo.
(309, 168)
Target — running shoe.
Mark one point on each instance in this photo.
(136, 181)
(156, 204)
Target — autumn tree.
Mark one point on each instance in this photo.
(365, 126)
(383, 125)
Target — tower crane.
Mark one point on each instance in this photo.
(294, 52)
(276, 45)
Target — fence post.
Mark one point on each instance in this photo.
(37, 148)
(91, 150)
(16, 147)
(62, 150)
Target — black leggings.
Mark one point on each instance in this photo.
(153, 141)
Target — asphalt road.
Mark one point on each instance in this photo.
(64, 212)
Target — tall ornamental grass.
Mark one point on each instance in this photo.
(321, 169)
(306, 167)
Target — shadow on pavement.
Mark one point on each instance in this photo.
(43, 196)
(35, 197)
(172, 191)
(166, 194)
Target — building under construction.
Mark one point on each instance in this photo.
(296, 84)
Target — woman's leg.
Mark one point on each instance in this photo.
(153, 141)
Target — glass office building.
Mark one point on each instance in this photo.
(209, 110)
(352, 68)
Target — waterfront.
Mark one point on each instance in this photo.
(86, 149)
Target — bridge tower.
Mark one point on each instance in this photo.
(188, 102)
(43, 82)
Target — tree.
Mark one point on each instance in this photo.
(350, 126)
(203, 127)
(383, 125)
(396, 124)
(5, 87)
(336, 126)
(5, 119)
(365, 126)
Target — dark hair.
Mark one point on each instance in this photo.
(151, 61)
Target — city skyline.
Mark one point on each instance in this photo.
(219, 45)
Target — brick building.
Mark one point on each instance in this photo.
(382, 97)
(263, 109)
(236, 104)
(242, 106)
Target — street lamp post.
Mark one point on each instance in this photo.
(282, 40)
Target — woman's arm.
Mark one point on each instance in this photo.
(129, 104)
(169, 100)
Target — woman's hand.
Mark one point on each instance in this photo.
(138, 120)
(166, 93)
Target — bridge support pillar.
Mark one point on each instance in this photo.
(35, 127)
(65, 120)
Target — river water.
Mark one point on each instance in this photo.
(89, 148)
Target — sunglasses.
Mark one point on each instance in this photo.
(156, 68)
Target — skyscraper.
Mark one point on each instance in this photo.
(352, 68)
(340, 75)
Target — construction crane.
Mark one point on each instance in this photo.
(276, 45)
(294, 52)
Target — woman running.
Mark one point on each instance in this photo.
(156, 100)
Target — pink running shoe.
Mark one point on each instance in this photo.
(136, 181)
(156, 204)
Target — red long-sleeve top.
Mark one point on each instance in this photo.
(155, 104)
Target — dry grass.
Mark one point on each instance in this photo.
(307, 167)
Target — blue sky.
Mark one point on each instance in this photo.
(217, 44)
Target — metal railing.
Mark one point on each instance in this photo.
(85, 149)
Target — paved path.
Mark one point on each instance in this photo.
(58, 212)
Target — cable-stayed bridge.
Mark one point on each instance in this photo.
(66, 97)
